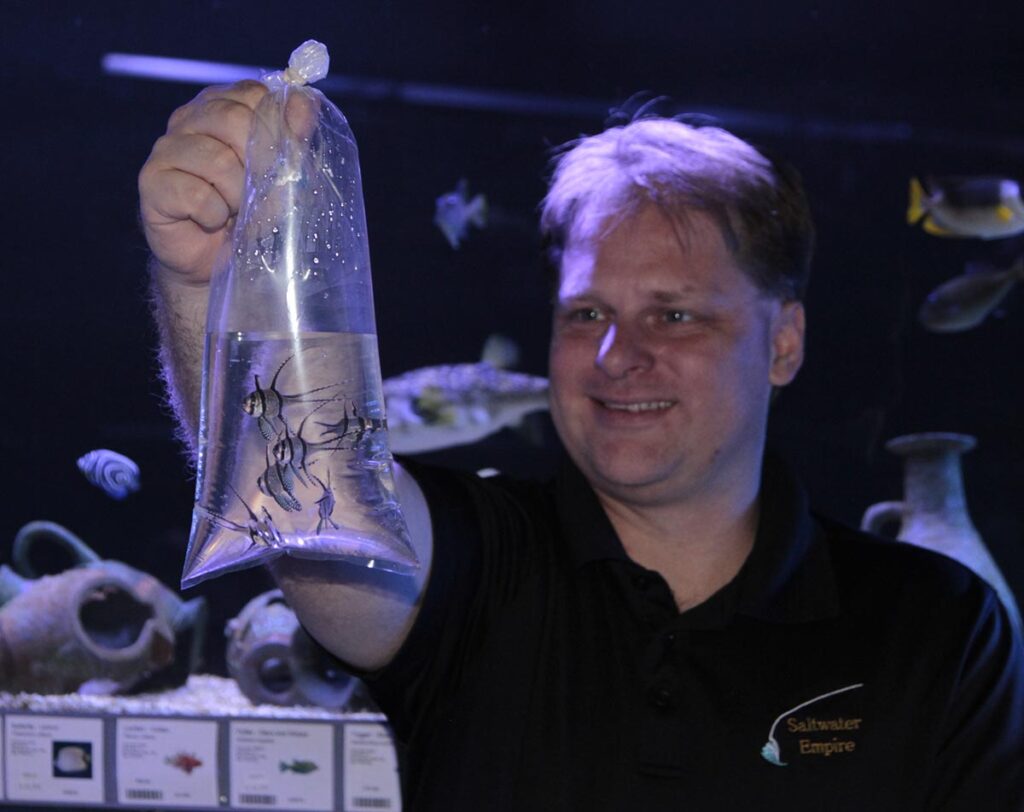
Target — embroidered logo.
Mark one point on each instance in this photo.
(772, 753)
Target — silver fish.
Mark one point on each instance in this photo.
(294, 451)
(277, 481)
(325, 506)
(352, 426)
(267, 405)
(262, 532)
(454, 212)
(985, 207)
(966, 300)
(114, 473)
(442, 406)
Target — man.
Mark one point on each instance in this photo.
(664, 626)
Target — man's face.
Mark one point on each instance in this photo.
(663, 355)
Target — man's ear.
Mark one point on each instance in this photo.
(787, 344)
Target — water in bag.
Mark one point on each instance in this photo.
(293, 450)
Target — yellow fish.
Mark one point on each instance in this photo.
(984, 207)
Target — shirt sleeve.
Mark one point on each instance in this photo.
(486, 537)
(980, 761)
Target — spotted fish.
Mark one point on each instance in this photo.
(442, 406)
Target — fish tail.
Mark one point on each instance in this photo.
(478, 216)
(915, 209)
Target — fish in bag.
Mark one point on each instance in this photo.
(293, 448)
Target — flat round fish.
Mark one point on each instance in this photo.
(114, 473)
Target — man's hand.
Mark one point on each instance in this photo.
(191, 186)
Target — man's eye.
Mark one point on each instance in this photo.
(585, 314)
(678, 316)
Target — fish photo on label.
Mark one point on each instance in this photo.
(298, 766)
(72, 759)
(186, 762)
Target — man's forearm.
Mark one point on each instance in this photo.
(180, 314)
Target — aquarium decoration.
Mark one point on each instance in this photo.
(95, 626)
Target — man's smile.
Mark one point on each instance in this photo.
(636, 406)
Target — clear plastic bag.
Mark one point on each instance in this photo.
(293, 450)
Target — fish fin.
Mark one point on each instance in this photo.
(449, 232)
(266, 428)
(1004, 213)
(287, 500)
(501, 352)
(915, 209)
(935, 229)
(478, 208)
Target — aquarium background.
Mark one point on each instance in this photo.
(860, 96)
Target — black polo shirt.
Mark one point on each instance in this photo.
(547, 670)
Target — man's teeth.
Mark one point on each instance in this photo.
(649, 406)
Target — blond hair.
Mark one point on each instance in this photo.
(759, 205)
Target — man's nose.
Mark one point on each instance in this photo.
(622, 352)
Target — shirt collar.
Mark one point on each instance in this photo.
(786, 578)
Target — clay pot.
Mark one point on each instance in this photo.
(274, 661)
(933, 512)
(70, 621)
(84, 626)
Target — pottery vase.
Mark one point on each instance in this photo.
(274, 661)
(933, 512)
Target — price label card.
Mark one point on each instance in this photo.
(281, 765)
(53, 758)
(371, 769)
(166, 762)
